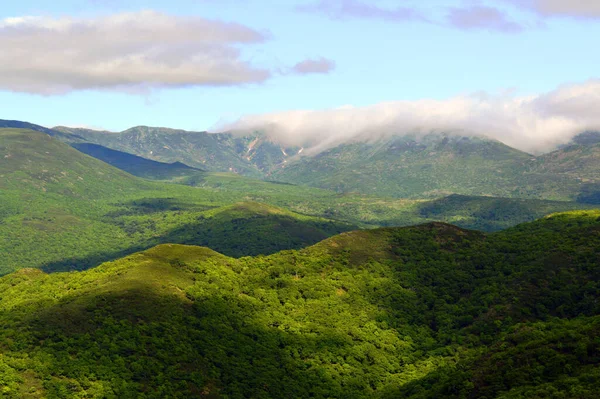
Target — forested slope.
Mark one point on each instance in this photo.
(420, 312)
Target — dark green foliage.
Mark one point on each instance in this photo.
(423, 312)
(135, 165)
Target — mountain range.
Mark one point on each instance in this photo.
(402, 166)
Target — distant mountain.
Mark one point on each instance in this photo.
(403, 166)
(411, 167)
(30, 126)
(251, 156)
(136, 165)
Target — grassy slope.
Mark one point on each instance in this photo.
(60, 209)
(428, 311)
(405, 167)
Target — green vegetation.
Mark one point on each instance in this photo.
(420, 312)
(403, 166)
(251, 156)
(62, 210)
(438, 165)
(135, 165)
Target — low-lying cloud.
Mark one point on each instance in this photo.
(533, 123)
(127, 51)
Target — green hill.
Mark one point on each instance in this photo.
(421, 312)
(63, 210)
(135, 165)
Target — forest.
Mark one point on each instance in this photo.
(418, 312)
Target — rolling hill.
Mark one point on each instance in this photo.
(63, 210)
(420, 312)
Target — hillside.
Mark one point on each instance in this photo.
(34, 162)
(421, 312)
(135, 165)
(579, 161)
(411, 167)
(251, 155)
(403, 166)
(11, 124)
(63, 210)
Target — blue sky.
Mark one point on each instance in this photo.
(354, 53)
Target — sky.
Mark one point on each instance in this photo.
(310, 72)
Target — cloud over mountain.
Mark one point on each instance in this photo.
(530, 123)
(127, 51)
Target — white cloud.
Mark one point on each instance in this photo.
(573, 8)
(481, 17)
(314, 66)
(534, 123)
(127, 51)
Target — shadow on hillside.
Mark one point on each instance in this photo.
(147, 206)
(237, 237)
(136, 340)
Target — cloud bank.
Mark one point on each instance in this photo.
(127, 51)
(534, 123)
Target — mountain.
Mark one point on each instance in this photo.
(411, 167)
(251, 155)
(4, 124)
(135, 165)
(420, 312)
(34, 162)
(577, 164)
(402, 166)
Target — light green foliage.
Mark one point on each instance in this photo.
(62, 210)
(421, 312)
